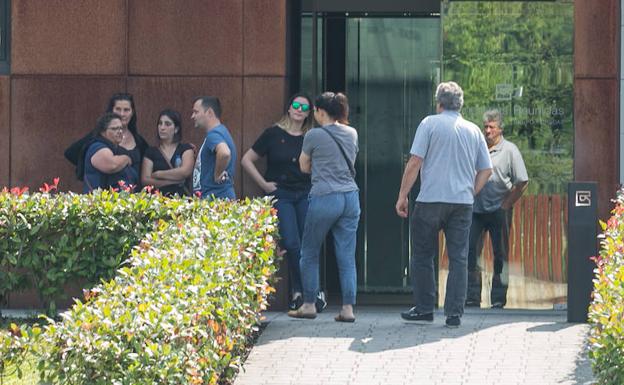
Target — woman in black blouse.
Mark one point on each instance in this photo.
(169, 165)
(281, 145)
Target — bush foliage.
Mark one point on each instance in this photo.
(606, 312)
(179, 311)
(49, 240)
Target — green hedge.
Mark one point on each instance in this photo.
(49, 240)
(606, 312)
(180, 311)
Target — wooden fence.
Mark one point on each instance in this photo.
(538, 239)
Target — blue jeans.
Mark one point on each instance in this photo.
(338, 213)
(292, 207)
(227, 193)
(427, 221)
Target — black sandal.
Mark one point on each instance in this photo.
(340, 318)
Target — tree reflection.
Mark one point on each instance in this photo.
(518, 57)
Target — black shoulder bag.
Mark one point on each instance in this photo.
(342, 151)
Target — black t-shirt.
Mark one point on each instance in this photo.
(158, 159)
(282, 151)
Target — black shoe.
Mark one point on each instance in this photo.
(498, 305)
(453, 321)
(472, 303)
(413, 316)
(320, 302)
(295, 303)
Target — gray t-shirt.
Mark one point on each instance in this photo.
(330, 172)
(453, 150)
(509, 169)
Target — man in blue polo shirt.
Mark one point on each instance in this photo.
(213, 176)
(451, 156)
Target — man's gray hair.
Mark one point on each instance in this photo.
(493, 115)
(450, 96)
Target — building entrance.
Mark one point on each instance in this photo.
(388, 56)
(389, 66)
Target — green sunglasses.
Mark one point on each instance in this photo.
(304, 107)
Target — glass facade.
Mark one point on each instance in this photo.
(514, 56)
(518, 57)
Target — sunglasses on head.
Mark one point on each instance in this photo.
(304, 107)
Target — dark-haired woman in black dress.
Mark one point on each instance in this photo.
(168, 166)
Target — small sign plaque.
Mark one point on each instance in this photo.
(583, 198)
(504, 92)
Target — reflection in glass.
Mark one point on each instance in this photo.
(518, 57)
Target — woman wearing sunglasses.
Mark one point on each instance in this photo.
(281, 146)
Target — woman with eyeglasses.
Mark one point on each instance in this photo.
(168, 165)
(132, 144)
(281, 145)
(104, 166)
(329, 153)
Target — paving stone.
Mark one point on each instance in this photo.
(489, 348)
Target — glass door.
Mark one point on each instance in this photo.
(388, 66)
(392, 66)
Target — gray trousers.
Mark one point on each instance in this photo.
(427, 221)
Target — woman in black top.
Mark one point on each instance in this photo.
(281, 145)
(169, 165)
(132, 144)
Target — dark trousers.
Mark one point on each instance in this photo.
(498, 224)
(292, 208)
(427, 221)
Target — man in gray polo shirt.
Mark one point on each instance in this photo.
(451, 155)
(492, 212)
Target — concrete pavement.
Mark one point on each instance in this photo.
(490, 347)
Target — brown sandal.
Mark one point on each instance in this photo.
(300, 314)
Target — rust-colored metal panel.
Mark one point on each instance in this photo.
(191, 37)
(5, 130)
(264, 37)
(442, 252)
(515, 239)
(596, 42)
(48, 114)
(153, 94)
(68, 37)
(529, 239)
(542, 234)
(596, 137)
(263, 101)
(564, 229)
(487, 253)
(556, 238)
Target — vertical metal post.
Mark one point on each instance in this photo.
(314, 48)
(582, 244)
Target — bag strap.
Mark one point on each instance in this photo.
(342, 151)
